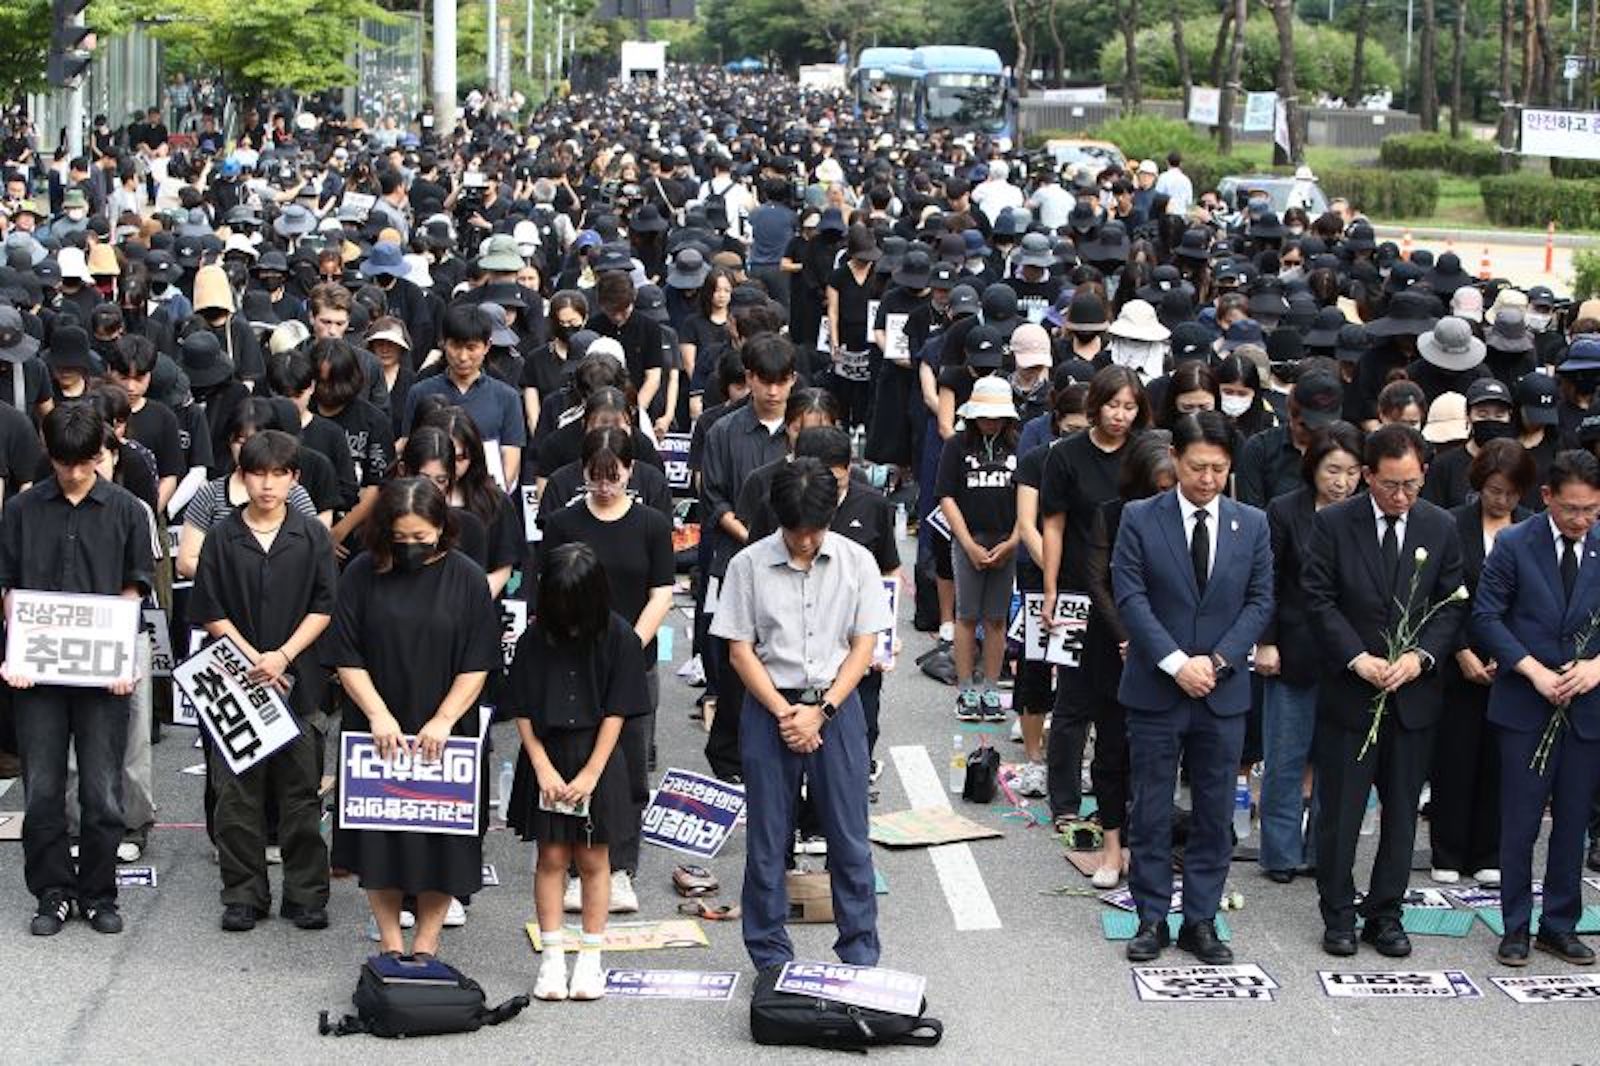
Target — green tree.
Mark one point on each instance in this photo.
(296, 44)
(24, 45)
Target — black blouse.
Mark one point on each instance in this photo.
(562, 686)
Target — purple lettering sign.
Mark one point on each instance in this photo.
(405, 794)
(860, 986)
(692, 813)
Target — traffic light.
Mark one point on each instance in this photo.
(70, 43)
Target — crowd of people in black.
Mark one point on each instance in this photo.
(1223, 457)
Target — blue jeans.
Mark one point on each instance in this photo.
(95, 724)
(837, 777)
(1288, 721)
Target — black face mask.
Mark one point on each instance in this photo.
(562, 331)
(412, 556)
(1486, 431)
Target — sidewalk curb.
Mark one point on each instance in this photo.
(1470, 238)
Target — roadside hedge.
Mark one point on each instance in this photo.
(1384, 193)
(1437, 151)
(1533, 200)
(1574, 168)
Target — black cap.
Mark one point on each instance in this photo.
(1488, 390)
(1320, 399)
(1536, 395)
(983, 348)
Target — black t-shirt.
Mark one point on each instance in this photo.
(546, 372)
(194, 436)
(978, 478)
(646, 485)
(565, 445)
(369, 434)
(640, 338)
(853, 299)
(867, 517)
(1078, 477)
(317, 477)
(156, 427)
(1447, 483)
(959, 380)
(327, 438)
(636, 551)
(20, 453)
(1034, 298)
(710, 341)
(1030, 471)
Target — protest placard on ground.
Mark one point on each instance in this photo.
(924, 826)
(1398, 984)
(860, 986)
(637, 936)
(699, 985)
(1202, 984)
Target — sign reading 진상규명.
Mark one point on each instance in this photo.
(248, 721)
(406, 794)
(69, 638)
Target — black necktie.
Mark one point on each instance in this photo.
(1569, 565)
(1200, 550)
(1391, 549)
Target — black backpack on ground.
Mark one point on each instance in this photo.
(415, 1008)
(790, 1020)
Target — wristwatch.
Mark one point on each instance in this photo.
(828, 711)
(1221, 667)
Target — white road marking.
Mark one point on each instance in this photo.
(959, 877)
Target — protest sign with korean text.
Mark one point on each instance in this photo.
(1062, 645)
(1560, 988)
(513, 621)
(153, 621)
(883, 650)
(671, 984)
(68, 638)
(692, 813)
(406, 793)
(1399, 984)
(1202, 984)
(674, 451)
(248, 721)
(859, 986)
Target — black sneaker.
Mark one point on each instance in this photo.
(240, 917)
(305, 917)
(103, 917)
(54, 910)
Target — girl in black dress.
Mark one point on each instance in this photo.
(578, 673)
(414, 638)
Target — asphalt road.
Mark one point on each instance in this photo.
(1017, 975)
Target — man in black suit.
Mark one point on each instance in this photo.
(1363, 557)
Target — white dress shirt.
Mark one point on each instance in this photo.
(1560, 542)
(1174, 662)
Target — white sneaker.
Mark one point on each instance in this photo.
(623, 898)
(572, 898)
(1487, 878)
(456, 916)
(128, 851)
(1032, 780)
(588, 977)
(274, 855)
(1444, 877)
(1106, 877)
(551, 984)
(1016, 730)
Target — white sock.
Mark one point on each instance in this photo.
(553, 941)
(947, 631)
(591, 942)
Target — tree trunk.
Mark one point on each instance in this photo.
(1288, 92)
(1220, 49)
(1180, 52)
(1427, 69)
(1549, 55)
(1021, 66)
(1530, 50)
(1588, 52)
(1358, 61)
(1506, 133)
(1459, 46)
(1230, 87)
(1128, 14)
(1060, 46)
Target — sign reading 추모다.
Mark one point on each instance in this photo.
(68, 638)
(249, 722)
(406, 794)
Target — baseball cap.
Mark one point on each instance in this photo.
(1030, 346)
(1536, 396)
(964, 301)
(982, 348)
(1488, 390)
(1320, 399)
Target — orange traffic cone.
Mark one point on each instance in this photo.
(1484, 273)
(1405, 246)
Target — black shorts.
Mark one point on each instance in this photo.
(1033, 692)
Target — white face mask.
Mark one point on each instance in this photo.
(1233, 406)
(1538, 321)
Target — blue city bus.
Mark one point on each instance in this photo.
(869, 81)
(956, 87)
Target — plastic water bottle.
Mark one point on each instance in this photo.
(899, 521)
(958, 765)
(1241, 807)
(1369, 821)
(504, 795)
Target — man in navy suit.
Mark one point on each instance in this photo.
(1540, 588)
(1192, 575)
(1364, 555)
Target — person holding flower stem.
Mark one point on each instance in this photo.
(1382, 582)
(1538, 610)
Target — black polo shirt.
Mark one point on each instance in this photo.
(99, 546)
(640, 338)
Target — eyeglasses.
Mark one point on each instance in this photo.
(1397, 488)
(1568, 510)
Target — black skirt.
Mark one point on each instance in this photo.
(612, 817)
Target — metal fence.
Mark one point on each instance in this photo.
(1327, 127)
(124, 77)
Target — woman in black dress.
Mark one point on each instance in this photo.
(578, 675)
(634, 544)
(414, 638)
